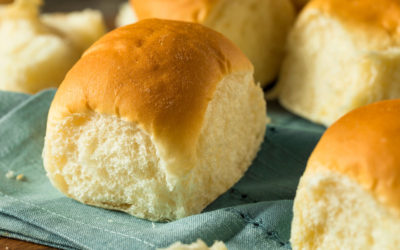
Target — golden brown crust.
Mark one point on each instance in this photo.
(370, 14)
(364, 145)
(182, 10)
(159, 74)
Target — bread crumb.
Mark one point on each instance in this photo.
(10, 174)
(198, 245)
(20, 177)
(110, 221)
(153, 225)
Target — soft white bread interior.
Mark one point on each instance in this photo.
(156, 119)
(38, 50)
(341, 55)
(198, 245)
(258, 28)
(349, 195)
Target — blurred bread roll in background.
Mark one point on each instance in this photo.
(37, 50)
(341, 55)
(82, 28)
(125, 15)
(157, 119)
(349, 194)
(258, 27)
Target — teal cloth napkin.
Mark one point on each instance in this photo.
(255, 214)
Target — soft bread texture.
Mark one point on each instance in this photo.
(258, 28)
(40, 49)
(349, 194)
(198, 245)
(334, 212)
(156, 119)
(341, 55)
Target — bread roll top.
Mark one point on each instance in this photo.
(158, 74)
(364, 145)
(369, 15)
(183, 10)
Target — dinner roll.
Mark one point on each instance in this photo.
(157, 119)
(38, 50)
(349, 195)
(341, 55)
(82, 28)
(258, 28)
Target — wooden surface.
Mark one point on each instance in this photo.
(11, 244)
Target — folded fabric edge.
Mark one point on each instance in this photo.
(44, 94)
(32, 233)
(52, 216)
(27, 238)
(8, 100)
